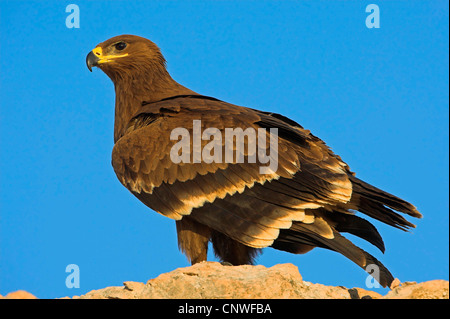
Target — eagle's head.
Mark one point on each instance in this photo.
(138, 71)
(126, 55)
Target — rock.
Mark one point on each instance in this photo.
(368, 294)
(19, 294)
(213, 280)
(434, 289)
(395, 283)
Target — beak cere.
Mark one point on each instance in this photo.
(92, 60)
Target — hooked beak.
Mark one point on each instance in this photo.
(96, 57)
(92, 60)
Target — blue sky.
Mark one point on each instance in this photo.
(377, 97)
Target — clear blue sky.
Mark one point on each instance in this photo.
(378, 97)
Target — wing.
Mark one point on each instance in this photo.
(232, 197)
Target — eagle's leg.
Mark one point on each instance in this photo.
(193, 239)
(230, 251)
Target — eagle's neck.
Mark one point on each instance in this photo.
(131, 91)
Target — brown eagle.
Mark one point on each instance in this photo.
(307, 200)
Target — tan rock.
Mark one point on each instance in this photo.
(212, 280)
(19, 294)
(368, 294)
(434, 289)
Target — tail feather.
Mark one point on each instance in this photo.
(384, 214)
(375, 194)
(300, 234)
(357, 226)
(381, 205)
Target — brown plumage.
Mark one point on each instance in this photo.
(305, 203)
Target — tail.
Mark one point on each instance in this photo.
(367, 199)
(300, 235)
(380, 205)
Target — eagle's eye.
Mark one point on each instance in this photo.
(120, 46)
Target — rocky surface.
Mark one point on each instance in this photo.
(19, 294)
(213, 280)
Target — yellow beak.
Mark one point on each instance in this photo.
(96, 57)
